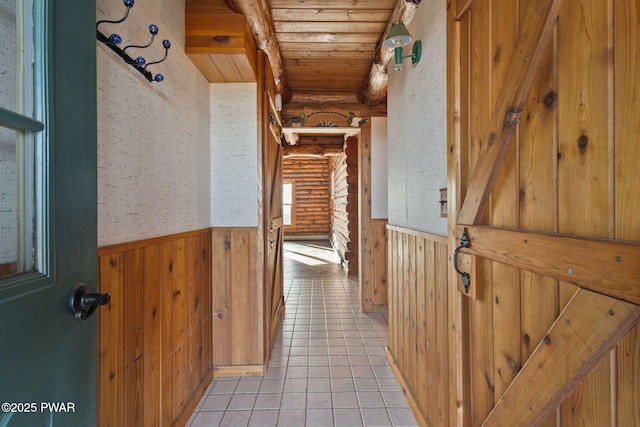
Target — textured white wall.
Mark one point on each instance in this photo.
(234, 155)
(379, 175)
(153, 138)
(417, 127)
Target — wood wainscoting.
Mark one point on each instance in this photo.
(418, 348)
(238, 301)
(373, 268)
(154, 338)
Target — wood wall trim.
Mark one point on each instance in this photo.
(239, 371)
(365, 232)
(138, 244)
(523, 68)
(237, 305)
(462, 7)
(584, 333)
(422, 234)
(405, 389)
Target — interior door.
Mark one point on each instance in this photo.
(550, 308)
(47, 211)
(273, 213)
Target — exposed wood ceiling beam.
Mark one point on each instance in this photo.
(321, 140)
(261, 23)
(375, 90)
(313, 150)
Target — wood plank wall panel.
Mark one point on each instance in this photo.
(344, 221)
(583, 176)
(418, 320)
(505, 200)
(154, 338)
(236, 303)
(627, 177)
(571, 168)
(481, 313)
(379, 292)
(311, 180)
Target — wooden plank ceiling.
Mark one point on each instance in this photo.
(317, 49)
(329, 45)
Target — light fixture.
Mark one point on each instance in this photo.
(399, 37)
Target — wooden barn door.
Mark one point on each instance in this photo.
(274, 231)
(272, 176)
(543, 123)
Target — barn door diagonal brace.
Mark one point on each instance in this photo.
(464, 243)
(531, 47)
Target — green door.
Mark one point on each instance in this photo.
(47, 211)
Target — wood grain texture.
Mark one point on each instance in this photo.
(111, 361)
(419, 321)
(585, 332)
(379, 262)
(520, 74)
(236, 306)
(372, 276)
(572, 188)
(602, 265)
(627, 177)
(153, 365)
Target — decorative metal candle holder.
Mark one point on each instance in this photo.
(139, 63)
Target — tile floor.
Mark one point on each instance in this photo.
(328, 365)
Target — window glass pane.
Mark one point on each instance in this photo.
(286, 214)
(8, 54)
(286, 194)
(17, 147)
(16, 203)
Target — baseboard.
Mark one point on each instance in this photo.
(183, 419)
(239, 371)
(412, 403)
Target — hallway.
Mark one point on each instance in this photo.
(328, 365)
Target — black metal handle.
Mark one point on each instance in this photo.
(83, 303)
(464, 243)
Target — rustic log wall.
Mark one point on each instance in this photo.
(344, 223)
(311, 178)
(154, 337)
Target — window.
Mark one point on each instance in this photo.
(287, 203)
(21, 138)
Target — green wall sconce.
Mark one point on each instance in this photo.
(399, 37)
